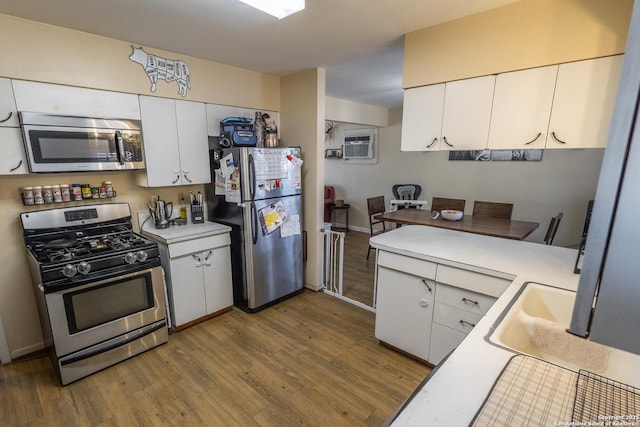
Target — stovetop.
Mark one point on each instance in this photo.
(77, 245)
(67, 246)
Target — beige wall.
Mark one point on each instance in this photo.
(525, 34)
(40, 52)
(565, 180)
(342, 110)
(34, 51)
(302, 121)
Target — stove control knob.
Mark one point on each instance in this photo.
(69, 270)
(84, 267)
(141, 256)
(130, 258)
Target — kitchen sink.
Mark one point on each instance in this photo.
(535, 323)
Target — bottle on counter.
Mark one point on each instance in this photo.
(183, 209)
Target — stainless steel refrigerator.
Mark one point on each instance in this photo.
(258, 192)
(606, 308)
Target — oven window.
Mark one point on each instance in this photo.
(64, 147)
(112, 301)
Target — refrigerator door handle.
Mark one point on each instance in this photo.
(252, 178)
(254, 224)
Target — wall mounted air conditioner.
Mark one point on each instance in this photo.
(358, 145)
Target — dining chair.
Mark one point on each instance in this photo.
(553, 227)
(492, 209)
(441, 203)
(375, 205)
(406, 191)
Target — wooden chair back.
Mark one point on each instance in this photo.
(493, 209)
(441, 203)
(375, 205)
(553, 227)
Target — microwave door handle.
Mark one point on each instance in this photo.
(120, 147)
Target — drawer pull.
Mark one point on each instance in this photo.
(464, 322)
(427, 284)
(467, 300)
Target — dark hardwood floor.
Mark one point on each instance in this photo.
(311, 360)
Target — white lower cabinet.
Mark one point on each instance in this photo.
(426, 309)
(198, 274)
(404, 311)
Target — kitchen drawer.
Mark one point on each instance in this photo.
(464, 299)
(196, 245)
(455, 318)
(443, 341)
(477, 282)
(417, 267)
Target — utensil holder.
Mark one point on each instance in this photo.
(197, 214)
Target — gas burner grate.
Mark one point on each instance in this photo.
(601, 400)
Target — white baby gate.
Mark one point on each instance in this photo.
(333, 266)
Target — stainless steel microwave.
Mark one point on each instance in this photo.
(56, 143)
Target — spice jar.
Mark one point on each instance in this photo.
(76, 191)
(57, 193)
(27, 196)
(86, 191)
(109, 188)
(95, 192)
(47, 194)
(65, 193)
(37, 195)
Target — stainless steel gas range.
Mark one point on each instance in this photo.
(99, 286)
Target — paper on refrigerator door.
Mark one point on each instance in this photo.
(230, 179)
(295, 172)
(269, 164)
(291, 227)
(272, 217)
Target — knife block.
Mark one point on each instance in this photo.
(197, 214)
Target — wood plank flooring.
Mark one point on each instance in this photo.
(311, 360)
(358, 273)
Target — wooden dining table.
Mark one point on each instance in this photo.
(496, 227)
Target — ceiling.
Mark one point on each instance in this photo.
(358, 42)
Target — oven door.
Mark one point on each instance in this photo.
(83, 316)
(68, 149)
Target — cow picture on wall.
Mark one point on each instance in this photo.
(165, 69)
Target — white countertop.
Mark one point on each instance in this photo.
(179, 233)
(457, 389)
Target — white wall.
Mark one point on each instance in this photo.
(564, 181)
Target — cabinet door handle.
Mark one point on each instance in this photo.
(19, 164)
(433, 142)
(553, 134)
(177, 179)
(427, 284)
(206, 259)
(466, 300)
(464, 322)
(186, 176)
(444, 138)
(8, 117)
(534, 139)
(198, 260)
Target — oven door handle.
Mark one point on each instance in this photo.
(112, 344)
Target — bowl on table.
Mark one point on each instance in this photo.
(451, 215)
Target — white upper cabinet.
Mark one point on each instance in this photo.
(13, 160)
(175, 142)
(521, 108)
(8, 110)
(583, 103)
(74, 101)
(467, 113)
(422, 118)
